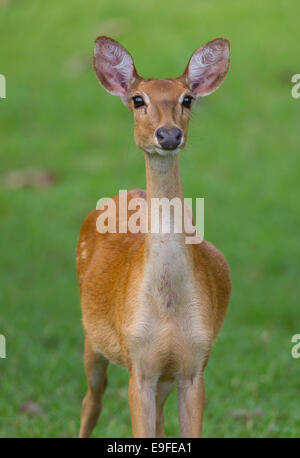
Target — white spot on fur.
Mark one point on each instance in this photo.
(181, 97)
(146, 98)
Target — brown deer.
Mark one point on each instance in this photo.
(150, 301)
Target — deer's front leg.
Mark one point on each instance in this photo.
(142, 393)
(191, 400)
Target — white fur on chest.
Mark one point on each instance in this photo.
(167, 276)
(168, 334)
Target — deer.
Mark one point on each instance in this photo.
(151, 302)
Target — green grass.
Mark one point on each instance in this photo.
(242, 156)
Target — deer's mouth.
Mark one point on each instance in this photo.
(157, 150)
(166, 152)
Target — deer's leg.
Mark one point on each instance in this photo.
(191, 399)
(95, 369)
(163, 391)
(141, 394)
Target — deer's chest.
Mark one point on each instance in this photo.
(167, 278)
(168, 336)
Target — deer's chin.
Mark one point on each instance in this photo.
(166, 152)
(162, 152)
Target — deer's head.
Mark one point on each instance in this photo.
(161, 107)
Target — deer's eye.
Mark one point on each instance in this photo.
(187, 101)
(138, 101)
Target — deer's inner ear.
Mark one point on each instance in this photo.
(208, 67)
(113, 66)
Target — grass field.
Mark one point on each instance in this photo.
(242, 156)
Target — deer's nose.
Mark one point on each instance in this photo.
(169, 137)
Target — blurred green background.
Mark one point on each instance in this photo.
(242, 156)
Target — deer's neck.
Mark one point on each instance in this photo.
(163, 182)
(162, 175)
(167, 256)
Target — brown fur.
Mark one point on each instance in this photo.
(150, 302)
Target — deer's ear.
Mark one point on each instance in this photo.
(208, 67)
(113, 66)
